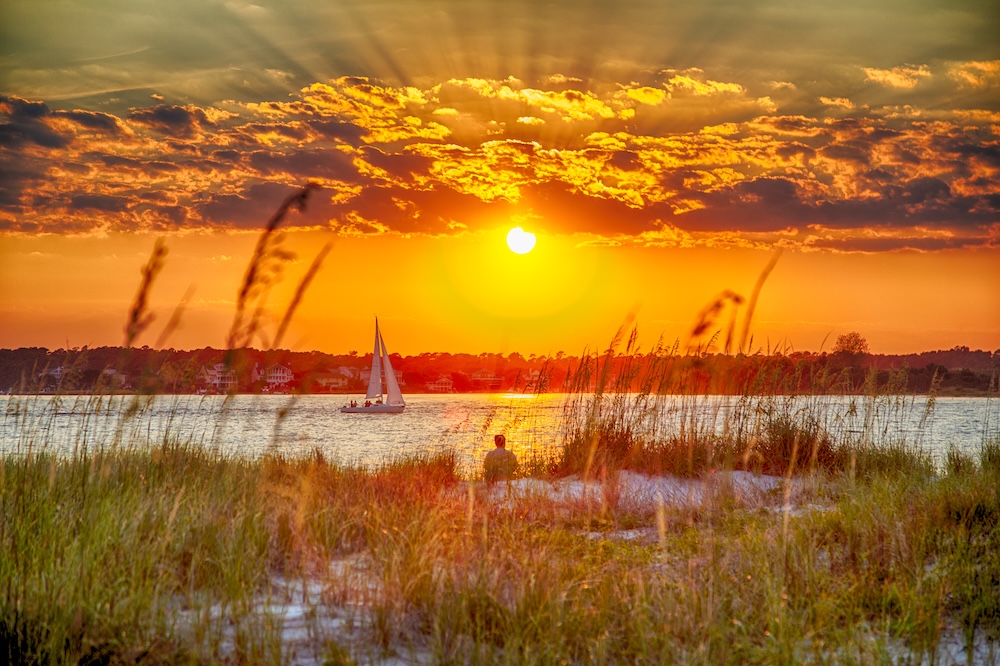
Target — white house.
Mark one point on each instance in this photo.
(485, 379)
(55, 373)
(441, 385)
(272, 375)
(219, 377)
(532, 379)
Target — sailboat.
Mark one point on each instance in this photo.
(393, 398)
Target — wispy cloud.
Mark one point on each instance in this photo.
(842, 102)
(905, 76)
(977, 74)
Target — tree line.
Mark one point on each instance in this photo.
(845, 370)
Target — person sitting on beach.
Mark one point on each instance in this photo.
(500, 464)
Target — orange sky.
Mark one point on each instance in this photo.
(471, 294)
(662, 153)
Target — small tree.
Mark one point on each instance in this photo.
(851, 343)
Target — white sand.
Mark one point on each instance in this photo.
(338, 605)
(644, 494)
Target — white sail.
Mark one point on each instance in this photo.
(375, 381)
(394, 403)
(393, 395)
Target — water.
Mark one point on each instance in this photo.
(252, 425)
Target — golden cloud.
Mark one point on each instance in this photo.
(716, 179)
(563, 79)
(977, 74)
(767, 104)
(421, 147)
(646, 94)
(569, 104)
(606, 141)
(682, 83)
(355, 224)
(905, 76)
(842, 102)
(797, 126)
(667, 235)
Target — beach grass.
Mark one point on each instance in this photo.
(865, 550)
(657, 412)
(170, 554)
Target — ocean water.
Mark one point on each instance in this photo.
(253, 425)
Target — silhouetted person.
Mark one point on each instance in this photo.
(500, 464)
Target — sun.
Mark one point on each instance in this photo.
(520, 241)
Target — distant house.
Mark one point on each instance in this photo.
(55, 373)
(116, 379)
(273, 375)
(330, 380)
(441, 385)
(484, 379)
(219, 377)
(366, 375)
(49, 378)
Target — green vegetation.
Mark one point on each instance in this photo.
(173, 554)
(156, 370)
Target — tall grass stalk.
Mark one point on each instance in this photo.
(661, 412)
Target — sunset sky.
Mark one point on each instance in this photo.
(662, 153)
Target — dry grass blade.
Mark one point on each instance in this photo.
(707, 318)
(140, 317)
(267, 257)
(175, 318)
(300, 292)
(753, 297)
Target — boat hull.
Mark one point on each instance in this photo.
(374, 409)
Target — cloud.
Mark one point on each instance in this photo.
(682, 84)
(26, 122)
(842, 102)
(646, 94)
(182, 122)
(977, 74)
(96, 202)
(904, 76)
(568, 104)
(249, 208)
(695, 161)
